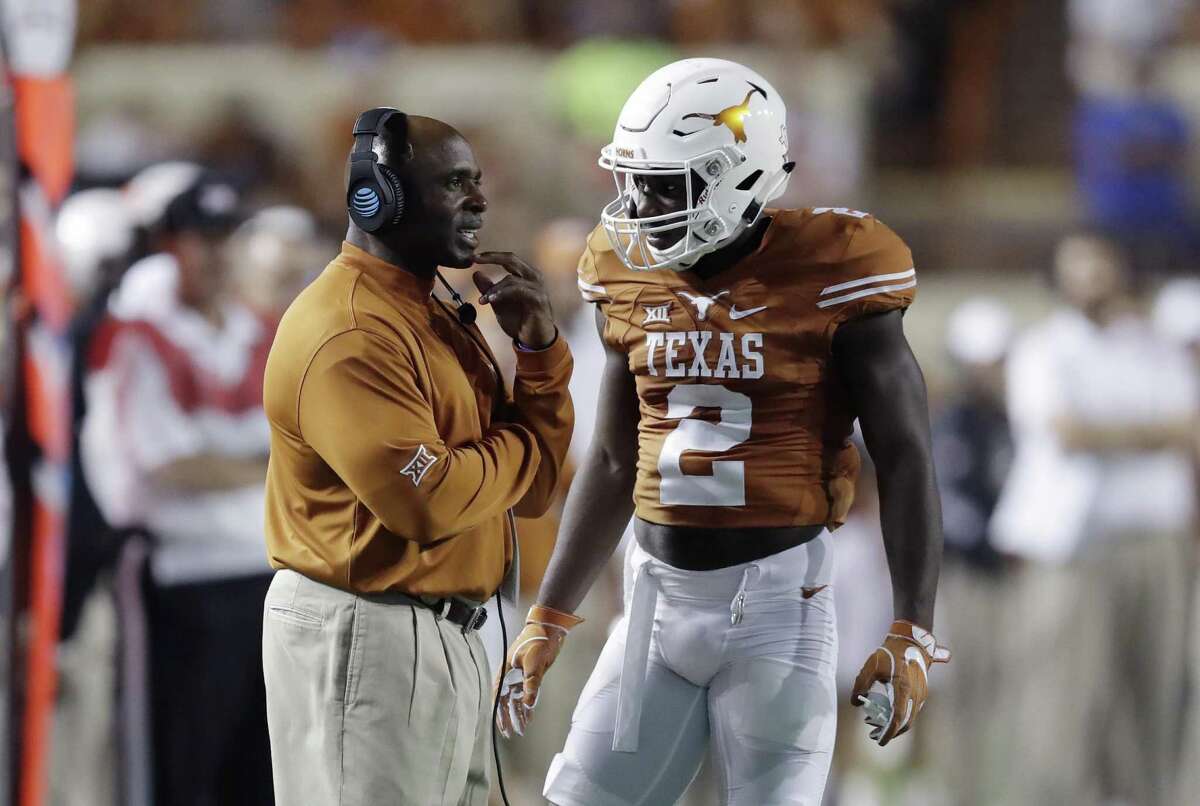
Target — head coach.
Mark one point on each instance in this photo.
(398, 463)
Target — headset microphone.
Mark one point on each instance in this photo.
(465, 311)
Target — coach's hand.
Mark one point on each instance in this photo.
(901, 667)
(532, 653)
(520, 300)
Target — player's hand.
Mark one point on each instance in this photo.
(899, 670)
(532, 653)
(520, 300)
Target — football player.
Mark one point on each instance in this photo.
(742, 342)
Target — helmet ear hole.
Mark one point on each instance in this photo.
(397, 193)
(699, 185)
(749, 181)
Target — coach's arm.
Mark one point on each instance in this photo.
(366, 408)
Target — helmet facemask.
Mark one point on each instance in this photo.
(716, 177)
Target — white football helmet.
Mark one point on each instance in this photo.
(713, 122)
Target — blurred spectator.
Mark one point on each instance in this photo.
(99, 233)
(1131, 139)
(972, 443)
(972, 448)
(1105, 33)
(1131, 156)
(176, 441)
(1100, 502)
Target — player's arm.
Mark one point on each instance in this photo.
(887, 390)
(595, 515)
(600, 502)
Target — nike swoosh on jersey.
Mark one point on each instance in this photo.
(734, 313)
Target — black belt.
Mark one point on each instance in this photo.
(456, 611)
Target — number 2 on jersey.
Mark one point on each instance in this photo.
(726, 487)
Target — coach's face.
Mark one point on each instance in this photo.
(444, 202)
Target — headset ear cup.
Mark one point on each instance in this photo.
(364, 201)
(397, 193)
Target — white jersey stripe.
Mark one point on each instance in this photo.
(591, 293)
(866, 292)
(878, 278)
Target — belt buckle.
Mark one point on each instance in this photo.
(476, 619)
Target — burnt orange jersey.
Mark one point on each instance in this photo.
(743, 419)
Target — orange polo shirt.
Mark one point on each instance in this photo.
(395, 452)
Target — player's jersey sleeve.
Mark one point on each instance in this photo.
(591, 285)
(874, 274)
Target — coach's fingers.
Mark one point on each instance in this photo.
(510, 263)
(482, 282)
(513, 288)
(497, 290)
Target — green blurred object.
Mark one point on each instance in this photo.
(590, 82)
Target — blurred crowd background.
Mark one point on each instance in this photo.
(1039, 156)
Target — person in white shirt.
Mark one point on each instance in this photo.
(175, 442)
(1099, 503)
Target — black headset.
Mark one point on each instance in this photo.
(374, 195)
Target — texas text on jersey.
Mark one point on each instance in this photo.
(743, 420)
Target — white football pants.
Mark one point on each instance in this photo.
(737, 654)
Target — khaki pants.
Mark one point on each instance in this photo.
(372, 703)
(1102, 640)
